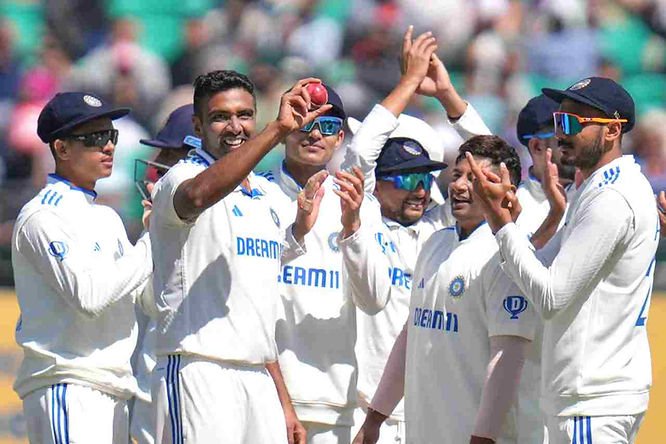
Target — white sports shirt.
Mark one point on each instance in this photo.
(215, 278)
(316, 331)
(460, 298)
(76, 274)
(596, 294)
(400, 246)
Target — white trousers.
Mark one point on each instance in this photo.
(142, 422)
(593, 429)
(70, 413)
(327, 433)
(202, 402)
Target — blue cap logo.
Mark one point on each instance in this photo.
(515, 305)
(92, 101)
(412, 148)
(579, 85)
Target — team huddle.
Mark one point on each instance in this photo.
(330, 305)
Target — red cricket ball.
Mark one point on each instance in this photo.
(318, 94)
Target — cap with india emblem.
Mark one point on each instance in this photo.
(402, 155)
(65, 111)
(600, 93)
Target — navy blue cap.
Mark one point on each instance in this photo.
(67, 110)
(401, 155)
(600, 93)
(334, 99)
(177, 132)
(537, 114)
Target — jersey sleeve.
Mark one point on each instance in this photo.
(581, 257)
(165, 189)
(508, 311)
(368, 142)
(470, 124)
(365, 264)
(72, 269)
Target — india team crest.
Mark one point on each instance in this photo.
(457, 287)
(579, 85)
(333, 242)
(275, 217)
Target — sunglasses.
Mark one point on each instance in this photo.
(328, 125)
(540, 136)
(96, 139)
(411, 181)
(572, 124)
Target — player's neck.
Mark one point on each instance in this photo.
(71, 177)
(608, 157)
(301, 172)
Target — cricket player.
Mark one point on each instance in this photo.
(76, 277)
(174, 140)
(595, 294)
(221, 241)
(316, 331)
(462, 354)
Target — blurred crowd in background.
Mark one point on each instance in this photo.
(145, 54)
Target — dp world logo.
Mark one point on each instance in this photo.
(58, 249)
(515, 305)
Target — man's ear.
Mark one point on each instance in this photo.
(613, 131)
(60, 150)
(198, 126)
(534, 146)
(340, 139)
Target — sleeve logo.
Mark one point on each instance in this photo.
(515, 305)
(58, 249)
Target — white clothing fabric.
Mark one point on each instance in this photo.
(215, 277)
(391, 431)
(142, 422)
(205, 402)
(64, 413)
(316, 330)
(327, 433)
(595, 296)
(460, 298)
(76, 277)
(621, 429)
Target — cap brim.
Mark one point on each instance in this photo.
(559, 95)
(156, 143)
(413, 166)
(113, 114)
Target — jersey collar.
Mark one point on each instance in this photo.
(53, 178)
(207, 158)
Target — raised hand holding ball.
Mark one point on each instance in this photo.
(318, 94)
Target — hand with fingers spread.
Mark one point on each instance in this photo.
(416, 56)
(351, 197)
(295, 107)
(555, 193)
(309, 200)
(492, 191)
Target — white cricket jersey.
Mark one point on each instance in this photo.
(317, 327)
(215, 277)
(596, 294)
(460, 298)
(399, 248)
(76, 273)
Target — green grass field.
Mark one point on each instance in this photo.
(651, 432)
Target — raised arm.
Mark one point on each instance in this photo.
(195, 195)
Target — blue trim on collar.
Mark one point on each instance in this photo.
(58, 178)
(286, 173)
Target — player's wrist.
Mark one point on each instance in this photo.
(375, 417)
